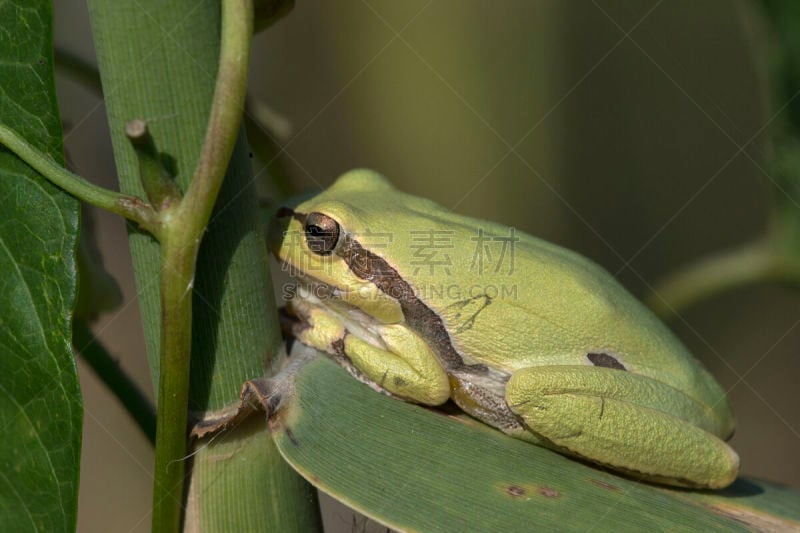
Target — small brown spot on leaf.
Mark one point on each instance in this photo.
(515, 491)
(604, 485)
(525, 491)
(549, 492)
(399, 382)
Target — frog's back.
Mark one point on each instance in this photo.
(511, 300)
(518, 301)
(551, 306)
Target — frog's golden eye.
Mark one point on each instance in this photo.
(322, 233)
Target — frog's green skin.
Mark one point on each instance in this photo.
(555, 352)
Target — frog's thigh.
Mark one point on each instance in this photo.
(407, 367)
(623, 420)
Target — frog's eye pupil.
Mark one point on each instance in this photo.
(322, 233)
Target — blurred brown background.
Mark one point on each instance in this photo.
(610, 127)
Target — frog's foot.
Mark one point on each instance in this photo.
(393, 360)
(311, 325)
(625, 421)
(404, 366)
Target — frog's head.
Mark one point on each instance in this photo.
(339, 243)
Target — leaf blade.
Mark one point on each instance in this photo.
(414, 469)
(40, 405)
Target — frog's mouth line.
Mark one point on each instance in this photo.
(368, 266)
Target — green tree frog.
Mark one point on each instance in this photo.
(428, 306)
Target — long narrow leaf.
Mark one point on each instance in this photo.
(158, 62)
(415, 469)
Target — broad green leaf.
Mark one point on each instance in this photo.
(40, 404)
(416, 469)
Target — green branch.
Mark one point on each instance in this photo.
(130, 207)
(747, 265)
(118, 382)
(226, 115)
(184, 225)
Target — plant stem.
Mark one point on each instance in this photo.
(745, 265)
(118, 382)
(177, 273)
(130, 207)
(184, 225)
(226, 114)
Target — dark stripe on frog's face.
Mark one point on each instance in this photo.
(370, 267)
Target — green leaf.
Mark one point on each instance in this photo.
(417, 469)
(40, 404)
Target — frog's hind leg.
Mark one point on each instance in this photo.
(625, 421)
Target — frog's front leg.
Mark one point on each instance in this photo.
(397, 360)
(626, 421)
